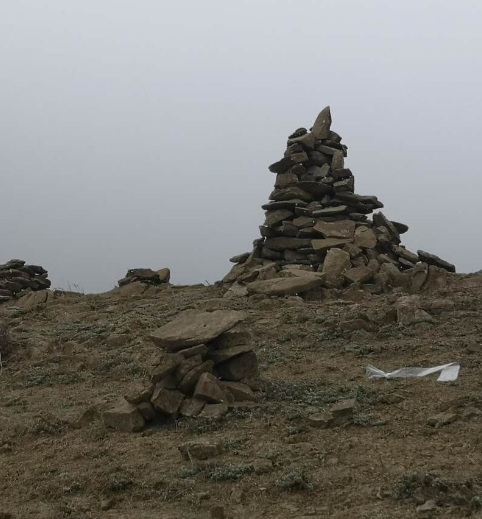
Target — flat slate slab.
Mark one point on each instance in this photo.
(285, 286)
(193, 327)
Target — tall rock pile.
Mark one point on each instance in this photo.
(17, 279)
(316, 223)
(206, 365)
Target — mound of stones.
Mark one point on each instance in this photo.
(18, 279)
(207, 365)
(147, 276)
(317, 231)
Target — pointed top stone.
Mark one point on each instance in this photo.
(321, 128)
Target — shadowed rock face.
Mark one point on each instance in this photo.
(313, 210)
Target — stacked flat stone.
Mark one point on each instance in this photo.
(17, 279)
(147, 276)
(206, 366)
(316, 222)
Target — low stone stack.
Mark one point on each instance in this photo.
(147, 276)
(206, 366)
(316, 223)
(17, 279)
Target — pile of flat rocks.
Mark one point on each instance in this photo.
(207, 365)
(18, 279)
(147, 276)
(317, 231)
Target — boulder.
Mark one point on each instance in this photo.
(238, 368)
(336, 264)
(365, 238)
(209, 388)
(164, 275)
(359, 274)
(193, 327)
(166, 401)
(124, 417)
(241, 392)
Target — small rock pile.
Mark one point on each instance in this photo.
(17, 279)
(147, 276)
(317, 232)
(207, 366)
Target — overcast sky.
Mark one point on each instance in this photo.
(139, 133)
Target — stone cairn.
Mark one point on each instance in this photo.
(18, 279)
(147, 276)
(207, 365)
(317, 232)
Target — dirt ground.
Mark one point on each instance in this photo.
(81, 353)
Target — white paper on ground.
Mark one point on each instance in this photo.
(448, 372)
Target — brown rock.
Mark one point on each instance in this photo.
(337, 161)
(188, 383)
(330, 211)
(242, 366)
(234, 337)
(241, 392)
(321, 420)
(124, 417)
(200, 349)
(441, 419)
(418, 277)
(191, 407)
(193, 327)
(164, 275)
(200, 450)
(344, 408)
(380, 220)
(139, 393)
(214, 411)
(209, 388)
(405, 254)
(167, 366)
(166, 401)
(307, 140)
(186, 366)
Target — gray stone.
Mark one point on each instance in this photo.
(359, 274)
(147, 411)
(224, 354)
(365, 238)
(441, 419)
(406, 254)
(193, 327)
(284, 286)
(341, 229)
(380, 220)
(337, 161)
(240, 258)
(307, 140)
(167, 365)
(401, 227)
(287, 162)
(330, 211)
(200, 349)
(328, 243)
(280, 243)
(274, 217)
(290, 193)
(321, 420)
(303, 221)
(321, 127)
(316, 188)
(336, 263)
(290, 205)
(315, 158)
(214, 411)
(186, 366)
(344, 407)
(432, 259)
(286, 179)
(344, 185)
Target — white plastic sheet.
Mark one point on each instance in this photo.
(448, 372)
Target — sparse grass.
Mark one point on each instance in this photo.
(229, 472)
(7, 345)
(294, 478)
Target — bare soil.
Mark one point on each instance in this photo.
(67, 361)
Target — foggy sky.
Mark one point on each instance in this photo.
(139, 133)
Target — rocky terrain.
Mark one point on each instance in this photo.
(318, 438)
